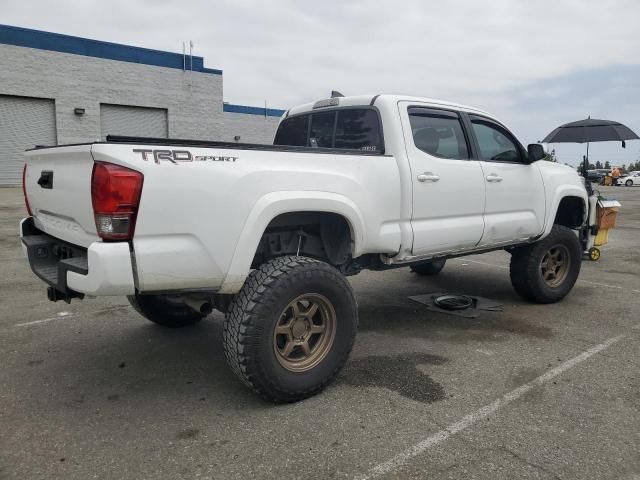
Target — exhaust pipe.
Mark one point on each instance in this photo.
(203, 307)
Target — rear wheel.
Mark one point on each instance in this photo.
(291, 328)
(429, 268)
(629, 183)
(546, 271)
(164, 311)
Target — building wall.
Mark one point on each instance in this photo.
(193, 99)
(250, 127)
(83, 73)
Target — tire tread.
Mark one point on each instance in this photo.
(525, 261)
(242, 326)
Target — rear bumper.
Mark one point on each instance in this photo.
(102, 269)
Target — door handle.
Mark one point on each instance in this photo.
(492, 177)
(428, 177)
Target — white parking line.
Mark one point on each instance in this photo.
(402, 458)
(601, 284)
(59, 316)
(486, 263)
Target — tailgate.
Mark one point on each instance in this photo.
(58, 188)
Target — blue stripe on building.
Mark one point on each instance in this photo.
(56, 42)
(267, 112)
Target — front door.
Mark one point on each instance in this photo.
(515, 197)
(448, 187)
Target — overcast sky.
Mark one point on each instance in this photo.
(535, 64)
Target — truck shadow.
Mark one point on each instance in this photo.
(410, 319)
(393, 312)
(142, 361)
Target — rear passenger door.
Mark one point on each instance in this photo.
(448, 186)
(515, 198)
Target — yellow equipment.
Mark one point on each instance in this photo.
(605, 219)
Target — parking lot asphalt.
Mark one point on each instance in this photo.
(93, 390)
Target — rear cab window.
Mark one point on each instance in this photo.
(348, 128)
(295, 132)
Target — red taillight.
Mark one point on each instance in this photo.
(115, 193)
(24, 190)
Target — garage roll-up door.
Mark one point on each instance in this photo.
(133, 121)
(24, 123)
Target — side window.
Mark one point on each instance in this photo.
(321, 133)
(293, 132)
(495, 143)
(358, 129)
(438, 133)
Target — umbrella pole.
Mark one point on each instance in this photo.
(587, 154)
(585, 168)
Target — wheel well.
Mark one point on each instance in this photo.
(570, 212)
(323, 235)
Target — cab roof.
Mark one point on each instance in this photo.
(366, 100)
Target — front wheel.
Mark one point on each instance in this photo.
(629, 183)
(546, 271)
(290, 329)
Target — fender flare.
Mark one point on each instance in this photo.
(560, 193)
(273, 204)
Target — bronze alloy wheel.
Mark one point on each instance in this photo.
(555, 265)
(305, 332)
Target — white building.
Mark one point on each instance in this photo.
(57, 89)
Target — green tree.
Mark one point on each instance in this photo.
(607, 164)
(590, 167)
(550, 156)
(598, 164)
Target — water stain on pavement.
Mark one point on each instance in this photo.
(188, 434)
(523, 375)
(396, 373)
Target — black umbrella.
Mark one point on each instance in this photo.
(590, 130)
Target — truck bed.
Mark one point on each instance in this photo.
(204, 206)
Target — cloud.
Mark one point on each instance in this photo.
(610, 92)
(502, 55)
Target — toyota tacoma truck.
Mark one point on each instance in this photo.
(268, 234)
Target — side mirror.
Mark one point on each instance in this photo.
(535, 152)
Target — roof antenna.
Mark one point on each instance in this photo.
(335, 94)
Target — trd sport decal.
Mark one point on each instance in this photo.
(175, 156)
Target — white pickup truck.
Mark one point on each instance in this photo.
(267, 233)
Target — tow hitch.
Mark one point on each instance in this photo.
(54, 295)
